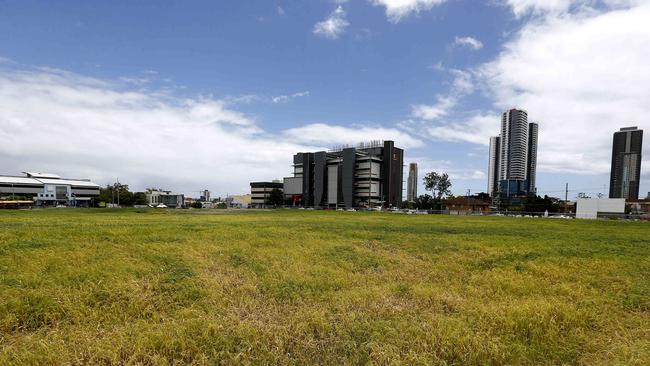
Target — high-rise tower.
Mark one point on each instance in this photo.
(493, 168)
(531, 164)
(514, 145)
(513, 156)
(412, 183)
(626, 163)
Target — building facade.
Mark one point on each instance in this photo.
(369, 175)
(160, 198)
(626, 163)
(531, 164)
(261, 192)
(49, 189)
(512, 167)
(493, 167)
(412, 183)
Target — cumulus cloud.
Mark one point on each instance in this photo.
(461, 177)
(84, 127)
(475, 129)
(435, 111)
(470, 42)
(557, 7)
(462, 85)
(286, 98)
(581, 74)
(333, 26)
(325, 135)
(582, 77)
(396, 10)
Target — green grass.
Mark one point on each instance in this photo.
(301, 287)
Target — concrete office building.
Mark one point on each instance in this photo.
(261, 192)
(412, 183)
(493, 167)
(512, 167)
(626, 163)
(160, 198)
(367, 175)
(205, 196)
(49, 189)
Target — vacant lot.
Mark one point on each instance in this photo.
(301, 287)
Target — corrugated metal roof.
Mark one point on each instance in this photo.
(42, 175)
(71, 182)
(43, 180)
(18, 180)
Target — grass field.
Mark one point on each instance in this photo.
(300, 287)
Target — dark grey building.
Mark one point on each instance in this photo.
(512, 167)
(261, 192)
(368, 175)
(531, 164)
(626, 163)
(412, 183)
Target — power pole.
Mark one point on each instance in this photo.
(566, 197)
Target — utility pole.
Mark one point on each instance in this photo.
(118, 192)
(566, 197)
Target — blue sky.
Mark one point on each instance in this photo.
(193, 94)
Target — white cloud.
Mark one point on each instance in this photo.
(333, 26)
(396, 10)
(558, 7)
(582, 76)
(461, 86)
(432, 112)
(280, 10)
(470, 42)
(461, 177)
(286, 98)
(521, 7)
(475, 129)
(581, 73)
(135, 81)
(325, 135)
(83, 127)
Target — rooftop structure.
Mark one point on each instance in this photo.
(49, 189)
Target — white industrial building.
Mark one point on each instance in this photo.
(164, 199)
(49, 189)
(592, 208)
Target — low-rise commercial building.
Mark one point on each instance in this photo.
(160, 198)
(466, 205)
(592, 208)
(261, 192)
(240, 201)
(49, 189)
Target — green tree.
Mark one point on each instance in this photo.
(276, 197)
(424, 202)
(438, 184)
(139, 198)
(197, 204)
(119, 193)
